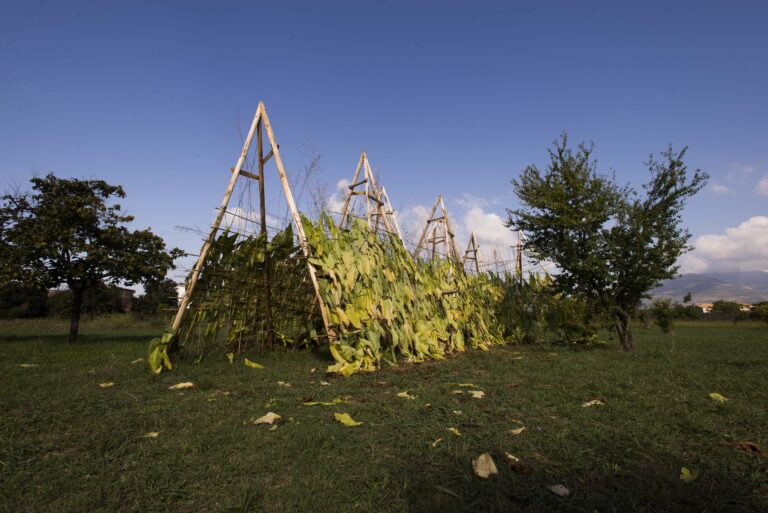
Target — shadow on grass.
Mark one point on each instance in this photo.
(82, 340)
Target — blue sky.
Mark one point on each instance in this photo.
(446, 97)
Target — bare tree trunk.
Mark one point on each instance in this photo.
(624, 330)
(74, 319)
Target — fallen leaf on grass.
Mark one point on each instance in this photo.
(457, 412)
(273, 428)
(338, 400)
(182, 386)
(515, 421)
(345, 419)
(457, 392)
(312, 370)
(516, 358)
(484, 467)
(251, 364)
(687, 475)
(559, 490)
(593, 402)
(466, 385)
(748, 447)
(406, 395)
(434, 444)
(231, 358)
(269, 418)
(718, 398)
(324, 383)
(106, 385)
(515, 464)
(27, 365)
(517, 431)
(152, 434)
(138, 360)
(455, 431)
(284, 384)
(477, 394)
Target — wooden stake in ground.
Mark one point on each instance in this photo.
(441, 233)
(471, 254)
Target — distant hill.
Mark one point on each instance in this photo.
(745, 287)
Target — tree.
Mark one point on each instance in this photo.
(611, 244)
(66, 231)
(157, 296)
(662, 312)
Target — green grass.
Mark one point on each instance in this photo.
(68, 445)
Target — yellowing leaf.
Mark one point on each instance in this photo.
(457, 392)
(484, 467)
(345, 419)
(284, 384)
(718, 398)
(455, 431)
(106, 385)
(457, 412)
(182, 386)
(152, 434)
(466, 385)
(593, 402)
(338, 400)
(517, 431)
(324, 383)
(269, 418)
(27, 365)
(687, 475)
(406, 395)
(477, 394)
(559, 490)
(251, 364)
(138, 360)
(434, 444)
(231, 358)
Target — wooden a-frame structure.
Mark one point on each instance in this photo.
(378, 207)
(259, 125)
(438, 234)
(471, 254)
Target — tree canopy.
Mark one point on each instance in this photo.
(611, 243)
(67, 231)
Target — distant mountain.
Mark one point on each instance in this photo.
(747, 287)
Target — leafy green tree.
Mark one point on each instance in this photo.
(688, 297)
(612, 245)
(157, 297)
(67, 231)
(663, 314)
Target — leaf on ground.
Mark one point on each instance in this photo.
(231, 358)
(457, 392)
(466, 385)
(718, 398)
(434, 444)
(749, 447)
(345, 419)
(559, 490)
(515, 464)
(593, 402)
(517, 431)
(338, 400)
(455, 431)
(312, 370)
(484, 467)
(252, 365)
(138, 360)
(515, 421)
(152, 434)
(273, 428)
(687, 475)
(182, 386)
(284, 384)
(27, 365)
(477, 394)
(269, 418)
(406, 395)
(324, 383)
(457, 412)
(106, 385)
(516, 358)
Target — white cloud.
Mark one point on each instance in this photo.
(741, 248)
(719, 188)
(762, 186)
(738, 170)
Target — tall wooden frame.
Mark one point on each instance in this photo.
(438, 232)
(472, 253)
(260, 123)
(378, 208)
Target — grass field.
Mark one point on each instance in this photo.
(66, 444)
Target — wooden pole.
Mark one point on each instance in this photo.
(391, 211)
(216, 223)
(424, 231)
(297, 221)
(453, 250)
(519, 259)
(351, 189)
(267, 294)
